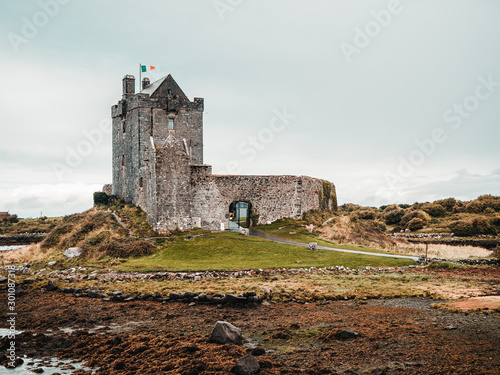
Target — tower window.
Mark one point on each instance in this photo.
(124, 128)
(140, 182)
(171, 124)
(123, 160)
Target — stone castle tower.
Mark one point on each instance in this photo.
(158, 166)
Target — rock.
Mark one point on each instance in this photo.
(258, 351)
(3, 279)
(450, 327)
(246, 365)
(348, 333)
(73, 252)
(233, 298)
(313, 246)
(225, 332)
(5, 361)
(52, 263)
(174, 295)
(51, 286)
(18, 362)
(189, 294)
(245, 232)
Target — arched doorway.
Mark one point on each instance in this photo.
(239, 215)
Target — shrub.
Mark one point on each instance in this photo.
(482, 225)
(101, 198)
(489, 211)
(415, 224)
(448, 203)
(462, 228)
(435, 210)
(368, 214)
(350, 207)
(409, 215)
(495, 221)
(489, 201)
(446, 265)
(380, 226)
(496, 252)
(393, 216)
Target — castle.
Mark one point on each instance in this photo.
(158, 166)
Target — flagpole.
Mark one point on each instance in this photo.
(140, 76)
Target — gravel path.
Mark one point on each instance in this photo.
(257, 233)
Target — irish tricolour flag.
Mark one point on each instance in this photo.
(145, 68)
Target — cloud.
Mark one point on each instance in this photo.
(47, 200)
(353, 120)
(460, 184)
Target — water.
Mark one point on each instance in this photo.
(51, 366)
(11, 247)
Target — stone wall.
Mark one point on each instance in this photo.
(270, 197)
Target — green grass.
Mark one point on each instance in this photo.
(230, 251)
(446, 265)
(282, 228)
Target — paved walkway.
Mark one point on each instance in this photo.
(258, 233)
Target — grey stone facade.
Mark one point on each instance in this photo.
(158, 166)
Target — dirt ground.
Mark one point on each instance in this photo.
(396, 336)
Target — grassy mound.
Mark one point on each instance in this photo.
(98, 234)
(229, 251)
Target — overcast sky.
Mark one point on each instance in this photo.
(393, 101)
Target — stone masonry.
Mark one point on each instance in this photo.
(158, 166)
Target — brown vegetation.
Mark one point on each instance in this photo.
(98, 234)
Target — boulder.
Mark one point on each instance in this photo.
(245, 232)
(225, 332)
(73, 252)
(313, 246)
(348, 333)
(52, 263)
(51, 286)
(246, 365)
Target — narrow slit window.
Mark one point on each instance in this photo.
(170, 124)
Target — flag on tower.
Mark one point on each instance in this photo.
(144, 68)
